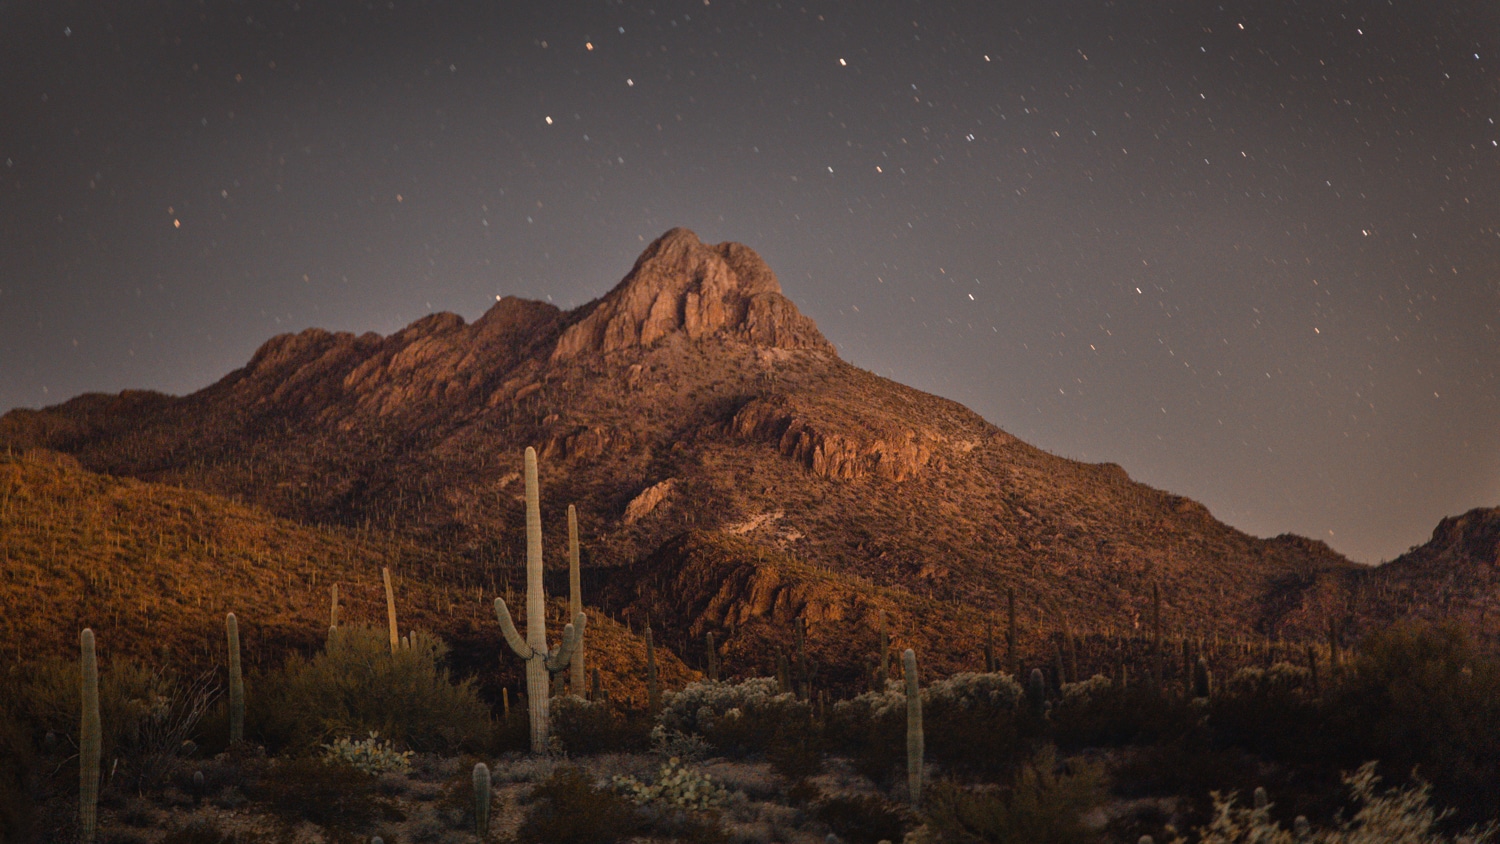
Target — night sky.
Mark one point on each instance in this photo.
(1250, 251)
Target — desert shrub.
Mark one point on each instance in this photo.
(863, 819)
(370, 755)
(871, 729)
(682, 826)
(970, 721)
(699, 706)
(568, 809)
(1398, 815)
(1043, 806)
(592, 727)
(509, 734)
(676, 786)
(1271, 711)
(336, 797)
(357, 685)
(203, 832)
(1424, 696)
(669, 743)
(1098, 712)
(51, 699)
(748, 718)
(18, 767)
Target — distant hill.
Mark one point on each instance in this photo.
(1454, 576)
(693, 398)
(153, 569)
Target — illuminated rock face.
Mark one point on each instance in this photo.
(681, 285)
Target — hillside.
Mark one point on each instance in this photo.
(693, 395)
(153, 569)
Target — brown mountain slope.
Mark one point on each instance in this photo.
(153, 569)
(1451, 577)
(693, 395)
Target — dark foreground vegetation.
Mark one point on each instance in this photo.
(361, 740)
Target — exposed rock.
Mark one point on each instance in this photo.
(681, 285)
(895, 456)
(642, 505)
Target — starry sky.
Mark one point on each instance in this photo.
(1248, 250)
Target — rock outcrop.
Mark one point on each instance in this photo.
(895, 455)
(681, 285)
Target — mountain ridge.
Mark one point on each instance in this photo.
(692, 396)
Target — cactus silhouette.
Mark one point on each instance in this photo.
(653, 689)
(236, 681)
(533, 649)
(88, 741)
(1158, 677)
(1202, 682)
(713, 659)
(915, 739)
(1036, 692)
(575, 603)
(482, 801)
(1011, 656)
(390, 609)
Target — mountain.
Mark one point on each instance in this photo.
(694, 410)
(1451, 577)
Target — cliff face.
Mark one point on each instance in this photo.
(692, 397)
(681, 285)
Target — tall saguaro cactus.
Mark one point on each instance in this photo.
(713, 659)
(575, 603)
(915, 739)
(482, 799)
(1012, 658)
(88, 741)
(533, 649)
(390, 609)
(653, 689)
(236, 681)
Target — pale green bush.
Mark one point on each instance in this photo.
(370, 755)
(1395, 816)
(695, 708)
(677, 786)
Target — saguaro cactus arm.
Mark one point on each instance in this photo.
(572, 634)
(508, 627)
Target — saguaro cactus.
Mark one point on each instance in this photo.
(88, 741)
(1202, 681)
(575, 603)
(236, 681)
(390, 609)
(333, 610)
(533, 649)
(1157, 667)
(989, 646)
(1011, 657)
(713, 659)
(482, 800)
(915, 740)
(1036, 693)
(653, 688)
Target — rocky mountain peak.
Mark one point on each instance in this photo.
(680, 285)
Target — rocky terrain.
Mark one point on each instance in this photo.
(692, 407)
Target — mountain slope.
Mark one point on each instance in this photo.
(692, 395)
(153, 569)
